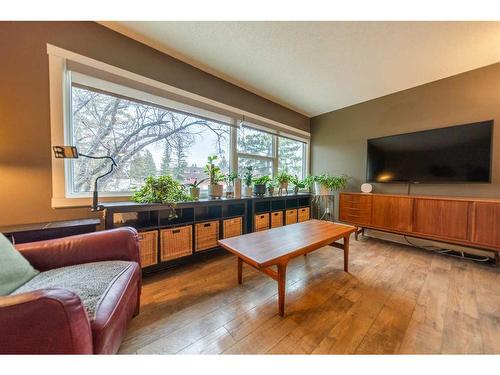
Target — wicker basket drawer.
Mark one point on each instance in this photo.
(261, 222)
(232, 227)
(148, 248)
(291, 216)
(303, 214)
(206, 235)
(176, 242)
(276, 219)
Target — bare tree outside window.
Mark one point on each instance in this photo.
(144, 139)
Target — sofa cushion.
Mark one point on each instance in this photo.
(90, 281)
(15, 270)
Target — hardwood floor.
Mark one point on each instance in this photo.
(395, 299)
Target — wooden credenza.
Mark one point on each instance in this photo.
(471, 222)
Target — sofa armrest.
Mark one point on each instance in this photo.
(45, 321)
(114, 244)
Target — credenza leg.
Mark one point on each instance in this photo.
(240, 271)
(281, 288)
(346, 253)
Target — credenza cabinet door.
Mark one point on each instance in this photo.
(487, 224)
(441, 218)
(392, 212)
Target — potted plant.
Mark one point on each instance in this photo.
(324, 184)
(270, 187)
(161, 189)
(215, 176)
(247, 179)
(194, 188)
(297, 184)
(230, 179)
(283, 179)
(309, 182)
(259, 187)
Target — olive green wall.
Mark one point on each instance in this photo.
(339, 137)
(25, 159)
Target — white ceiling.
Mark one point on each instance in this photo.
(317, 67)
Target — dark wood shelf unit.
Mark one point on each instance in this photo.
(47, 231)
(154, 217)
(269, 204)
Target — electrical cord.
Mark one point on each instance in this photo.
(448, 252)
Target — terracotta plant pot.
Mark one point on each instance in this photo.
(215, 191)
(237, 188)
(194, 193)
(259, 189)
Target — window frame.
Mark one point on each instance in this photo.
(274, 159)
(60, 113)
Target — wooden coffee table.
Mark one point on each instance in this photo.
(275, 247)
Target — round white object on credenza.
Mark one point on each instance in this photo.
(366, 188)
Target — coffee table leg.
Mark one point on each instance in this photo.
(281, 288)
(346, 253)
(240, 271)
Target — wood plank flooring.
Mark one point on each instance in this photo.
(395, 299)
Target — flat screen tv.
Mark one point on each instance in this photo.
(446, 155)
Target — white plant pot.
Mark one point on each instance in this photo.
(320, 189)
(247, 191)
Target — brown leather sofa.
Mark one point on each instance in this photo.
(54, 321)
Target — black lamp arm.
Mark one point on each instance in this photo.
(95, 197)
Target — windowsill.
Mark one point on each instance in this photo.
(78, 202)
(61, 203)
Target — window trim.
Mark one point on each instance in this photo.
(60, 112)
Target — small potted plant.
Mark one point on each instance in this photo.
(194, 188)
(283, 179)
(270, 187)
(297, 184)
(164, 190)
(215, 176)
(259, 185)
(230, 179)
(247, 179)
(309, 182)
(324, 183)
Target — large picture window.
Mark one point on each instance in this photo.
(144, 139)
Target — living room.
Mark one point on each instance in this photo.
(303, 186)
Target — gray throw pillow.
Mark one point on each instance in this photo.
(15, 270)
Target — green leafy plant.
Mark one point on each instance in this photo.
(248, 176)
(214, 173)
(262, 180)
(283, 178)
(196, 184)
(332, 182)
(161, 189)
(309, 181)
(230, 177)
(297, 182)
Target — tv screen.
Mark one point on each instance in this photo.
(453, 154)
